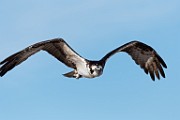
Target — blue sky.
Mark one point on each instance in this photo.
(36, 90)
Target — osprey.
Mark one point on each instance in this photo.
(142, 54)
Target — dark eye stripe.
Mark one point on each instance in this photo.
(91, 71)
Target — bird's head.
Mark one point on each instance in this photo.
(95, 69)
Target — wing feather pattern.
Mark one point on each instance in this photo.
(56, 47)
(143, 55)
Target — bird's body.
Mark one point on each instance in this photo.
(144, 55)
(85, 70)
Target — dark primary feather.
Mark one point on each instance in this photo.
(56, 47)
(143, 55)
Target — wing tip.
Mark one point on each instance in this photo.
(155, 73)
(158, 76)
(161, 61)
(152, 76)
(2, 72)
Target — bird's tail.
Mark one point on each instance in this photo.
(70, 74)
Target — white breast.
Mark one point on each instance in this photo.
(83, 70)
(81, 66)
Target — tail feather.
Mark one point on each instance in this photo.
(70, 74)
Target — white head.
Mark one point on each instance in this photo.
(95, 70)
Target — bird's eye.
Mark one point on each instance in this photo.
(91, 71)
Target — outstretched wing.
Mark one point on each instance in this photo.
(143, 55)
(56, 47)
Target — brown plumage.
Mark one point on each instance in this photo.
(142, 54)
(56, 47)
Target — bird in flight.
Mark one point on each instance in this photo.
(142, 54)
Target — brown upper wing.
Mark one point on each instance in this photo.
(56, 47)
(143, 55)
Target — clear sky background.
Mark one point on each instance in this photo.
(36, 89)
